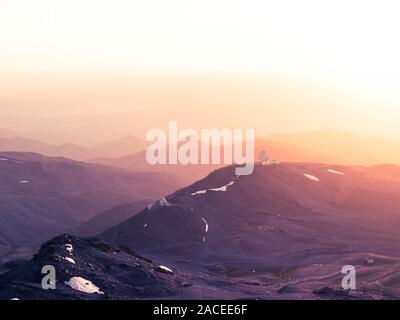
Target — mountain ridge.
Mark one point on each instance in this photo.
(44, 196)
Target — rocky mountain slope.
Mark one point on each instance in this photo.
(41, 197)
(86, 268)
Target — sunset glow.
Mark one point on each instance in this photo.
(229, 152)
(277, 66)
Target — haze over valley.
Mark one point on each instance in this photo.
(83, 83)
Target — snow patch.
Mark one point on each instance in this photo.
(70, 260)
(163, 202)
(205, 229)
(166, 269)
(15, 299)
(206, 225)
(270, 162)
(145, 226)
(311, 177)
(221, 189)
(69, 248)
(198, 192)
(13, 161)
(83, 285)
(335, 172)
(24, 181)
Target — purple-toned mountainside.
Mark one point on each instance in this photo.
(41, 197)
(285, 224)
(281, 208)
(111, 217)
(285, 232)
(187, 174)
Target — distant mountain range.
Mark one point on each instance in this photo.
(333, 147)
(325, 146)
(11, 141)
(69, 150)
(341, 147)
(121, 147)
(4, 133)
(41, 197)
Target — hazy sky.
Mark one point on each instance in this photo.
(126, 66)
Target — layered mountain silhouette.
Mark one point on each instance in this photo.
(5, 133)
(186, 174)
(68, 150)
(284, 232)
(193, 172)
(42, 196)
(121, 147)
(12, 141)
(326, 146)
